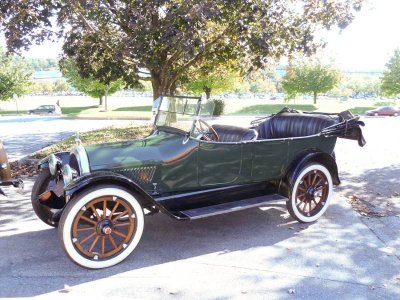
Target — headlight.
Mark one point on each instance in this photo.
(67, 174)
(53, 161)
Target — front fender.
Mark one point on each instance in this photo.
(108, 177)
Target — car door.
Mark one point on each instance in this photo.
(219, 163)
(269, 159)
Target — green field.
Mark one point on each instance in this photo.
(140, 107)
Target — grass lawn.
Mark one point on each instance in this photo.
(105, 135)
(12, 112)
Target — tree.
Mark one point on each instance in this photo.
(14, 78)
(309, 78)
(207, 80)
(391, 77)
(61, 86)
(89, 85)
(164, 38)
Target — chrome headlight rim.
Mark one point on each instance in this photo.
(53, 162)
(67, 175)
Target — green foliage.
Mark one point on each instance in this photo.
(309, 78)
(391, 77)
(61, 86)
(89, 86)
(39, 64)
(14, 78)
(264, 109)
(219, 106)
(167, 38)
(217, 81)
(358, 86)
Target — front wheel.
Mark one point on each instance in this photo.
(310, 194)
(101, 227)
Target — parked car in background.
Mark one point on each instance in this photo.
(46, 109)
(384, 111)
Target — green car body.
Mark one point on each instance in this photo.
(189, 172)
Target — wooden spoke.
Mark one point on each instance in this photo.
(120, 215)
(119, 233)
(114, 209)
(94, 243)
(88, 220)
(104, 209)
(123, 224)
(86, 229)
(87, 238)
(95, 212)
(112, 241)
(103, 244)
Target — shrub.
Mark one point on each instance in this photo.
(219, 106)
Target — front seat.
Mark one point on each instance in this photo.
(234, 134)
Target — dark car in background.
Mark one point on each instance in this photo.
(45, 109)
(384, 111)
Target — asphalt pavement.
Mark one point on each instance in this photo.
(260, 253)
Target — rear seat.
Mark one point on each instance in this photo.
(285, 125)
(234, 134)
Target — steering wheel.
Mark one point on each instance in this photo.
(209, 133)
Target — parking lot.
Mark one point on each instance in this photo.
(257, 253)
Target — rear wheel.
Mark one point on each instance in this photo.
(396, 114)
(101, 227)
(376, 114)
(44, 182)
(310, 194)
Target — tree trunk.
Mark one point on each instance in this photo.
(156, 85)
(105, 97)
(315, 97)
(100, 100)
(207, 90)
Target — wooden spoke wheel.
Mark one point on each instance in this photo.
(101, 227)
(310, 194)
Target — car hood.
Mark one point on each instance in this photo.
(148, 151)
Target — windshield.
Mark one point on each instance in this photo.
(181, 112)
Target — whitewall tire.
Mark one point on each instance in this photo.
(101, 227)
(311, 193)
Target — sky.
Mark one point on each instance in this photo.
(365, 45)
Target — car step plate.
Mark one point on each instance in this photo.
(223, 208)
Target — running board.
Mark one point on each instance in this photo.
(228, 207)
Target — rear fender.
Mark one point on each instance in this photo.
(108, 177)
(304, 159)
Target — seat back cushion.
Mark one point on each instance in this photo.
(287, 125)
(234, 134)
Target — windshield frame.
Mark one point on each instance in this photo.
(195, 115)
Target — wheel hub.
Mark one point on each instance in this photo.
(104, 227)
(311, 193)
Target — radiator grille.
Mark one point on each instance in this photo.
(139, 175)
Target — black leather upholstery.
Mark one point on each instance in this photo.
(234, 134)
(285, 125)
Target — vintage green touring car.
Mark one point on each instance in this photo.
(98, 195)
